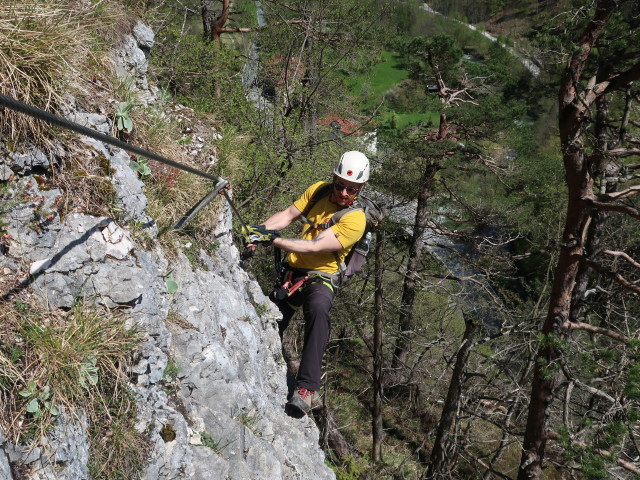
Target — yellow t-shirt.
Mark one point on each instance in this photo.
(348, 231)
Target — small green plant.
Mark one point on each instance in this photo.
(88, 372)
(208, 441)
(50, 359)
(351, 468)
(171, 284)
(192, 251)
(262, 309)
(21, 307)
(249, 418)
(184, 140)
(38, 400)
(141, 166)
(123, 116)
(141, 234)
(171, 371)
(16, 354)
(118, 450)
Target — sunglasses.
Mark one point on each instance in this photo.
(340, 187)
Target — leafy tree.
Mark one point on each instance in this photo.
(435, 62)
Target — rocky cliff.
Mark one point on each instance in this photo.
(223, 417)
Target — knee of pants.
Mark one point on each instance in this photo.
(318, 303)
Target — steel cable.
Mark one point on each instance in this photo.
(52, 119)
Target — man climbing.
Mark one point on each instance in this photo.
(315, 260)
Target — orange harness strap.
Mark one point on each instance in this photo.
(292, 287)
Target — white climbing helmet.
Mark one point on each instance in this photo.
(353, 166)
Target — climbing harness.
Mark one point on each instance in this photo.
(288, 280)
(52, 119)
(289, 286)
(295, 280)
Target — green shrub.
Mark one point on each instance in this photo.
(351, 468)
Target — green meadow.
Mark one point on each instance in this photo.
(379, 81)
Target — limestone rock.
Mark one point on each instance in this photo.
(63, 455)
(130, 61)
(144, 35)
(29, 159)
(97, 122)
(5, 469)
(5, 173)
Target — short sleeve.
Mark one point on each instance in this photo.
(302, 202)
(350, 228)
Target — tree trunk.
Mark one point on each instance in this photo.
(405, 323)
(376, 414)
(207, 21)
(580, 183)
(439, 459)
(335, 441)
(442, 94)
(218, 24)
(597, 220)
(213, 29)
(572, 112)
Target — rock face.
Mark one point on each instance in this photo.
(68, 443)
(131, 58)
(217, 329)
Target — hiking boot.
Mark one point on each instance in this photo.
(303, 399)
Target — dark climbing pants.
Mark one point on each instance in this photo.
(316, 299)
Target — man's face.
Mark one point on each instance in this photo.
(344, 191)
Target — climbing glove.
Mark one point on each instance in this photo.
(259, 234)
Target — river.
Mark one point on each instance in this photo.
(477, 299)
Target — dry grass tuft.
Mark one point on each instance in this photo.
(49, 48)
(171, 194)
(85, 180)
(41, 45)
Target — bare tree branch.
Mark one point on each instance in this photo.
(614, 153)
(613, 207)
(616, 277)
(629, 192)
(259, 29)
(624, 255)
(569, 326)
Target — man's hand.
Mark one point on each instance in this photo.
(258, 234)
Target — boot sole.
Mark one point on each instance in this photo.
(300, 404)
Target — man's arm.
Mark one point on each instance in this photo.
(278, 221)
(326, 241)
(282, 219)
